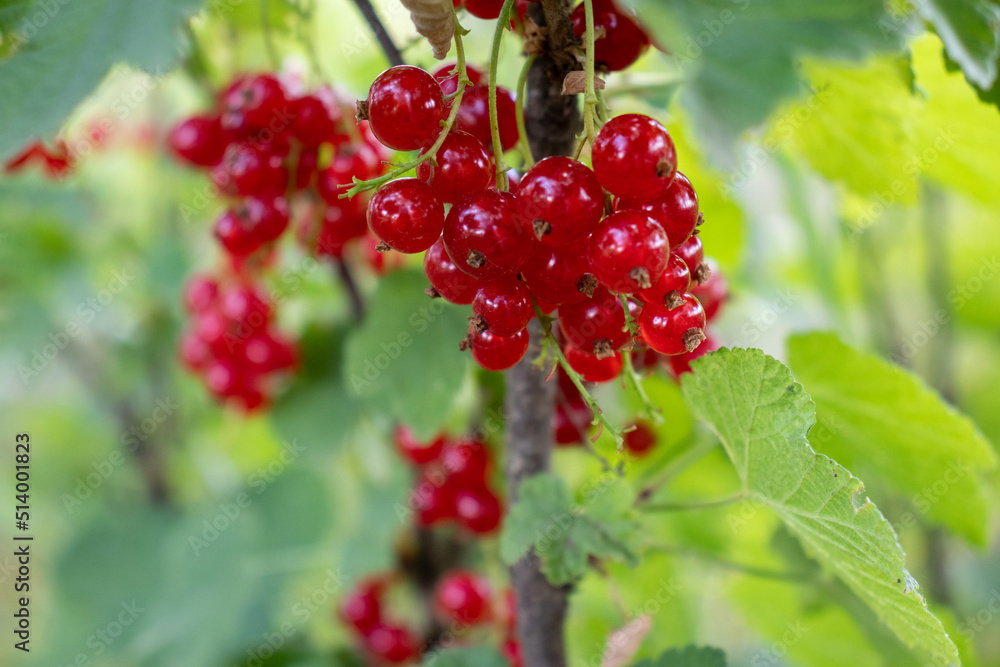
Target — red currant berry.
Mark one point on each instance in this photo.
(504, 307)
(447, 280)
(511, 650)
(433, 501)
(676, 210)
(405, 108)
(361, 161)
(628, 252)
(251, 224)
(681, 363)
(570, 424)
(416, 452)
(448, 78)
(392, 644)
(405, 215)
(634, 157)
(200, 294)
(559, 275)
(641, 439)
(340, 224)
(676, 329)
(498, 353)
(623, 40)
(462, 166)
(247, 308)
(362, 608)
(484, 9)
(255, 103)
(590, 367)
(195, 353)
(693, 253)
(713, 292)
(479, 511)
(266, 353)
(474, 116)
(463, 597)
(199, 140)
(595, 325)
(467, 460)
(675, 279)
(315, 122)
(560, 200)
(484, 236)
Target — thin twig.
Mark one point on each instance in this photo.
(353, 293)
(389, 47)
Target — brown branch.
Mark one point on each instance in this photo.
(351, 287)
(552, 121)
(389, 47)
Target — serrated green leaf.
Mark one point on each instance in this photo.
(872, 415)
(565, 535)
(58, 61)
(970, 30)
(762, 417)
(466, 657)
(405, 356)
(739, 57)
(689, 656)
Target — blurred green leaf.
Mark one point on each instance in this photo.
(874, 416)
(762, 417)
(68, 49)
(740, 57)
(404, 359)
(970, 30)
(689, 656)
(563, 535)
(465, 657)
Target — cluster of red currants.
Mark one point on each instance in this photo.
(232, 344)
(461, 599)
(452, 482)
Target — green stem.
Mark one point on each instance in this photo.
(502, 22)
(715, 559)
(679, 465)
(702, 505)
(590, 96)
(463, 81)
(636, 382)
(599, 417)
(265, 24)
(529, 159)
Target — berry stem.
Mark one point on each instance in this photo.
(590, 94)
(502, 21)
(389, 47)
(529, 159)
(701, 505)
(633, 378)
(633, 328)
(463, 81)
(599, 417)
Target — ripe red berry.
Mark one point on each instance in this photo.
(628, 252)
(693, 253)
(559, 275)
(466, 460)
(447, 280)
(498, 353)
(474, 116)
(405, 108)
(676, 278)
(361, 608)
(504, 306)
(484, 9)
(681, 363)
(590, 367)
(641, 439)
(256, 103)
(634, 157)
(713, 292)
(478, 511)
(511, 650)
(448, 78)
(392, 644)
(484, 236)
(570, 424)
(405, 215)
(462, 166)
(194, 352)
(676, 209)
(413, 450)
(360, 161)
(247, 170)
(199, 140)
(200, 294)
(673, 330)
(464, 597)
(433, 500)
(560, 200)
(314, 122)
(623, 40)
(595, 325)
(252, 223)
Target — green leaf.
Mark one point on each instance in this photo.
(405, 357)
(565, 535)
(871, 415)
(762, 417)
(970, 30)
(689, 656)
(740, 57)
(58, 61)
(465, 657)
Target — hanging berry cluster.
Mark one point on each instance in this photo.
(272, 155)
